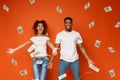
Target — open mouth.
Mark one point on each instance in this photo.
(40, 29)
(68, 26)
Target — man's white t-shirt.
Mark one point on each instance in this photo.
(68, 41)
(40, 45)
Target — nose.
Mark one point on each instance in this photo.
(68, 24)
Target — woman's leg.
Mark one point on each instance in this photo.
(35, 69)
(44, 69)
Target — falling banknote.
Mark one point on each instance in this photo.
(111, 49)
(97, 43)
(31, 48)
(20, 29)
(6, 8)
(34, 54)
(108, 9)
(32, 1)
(87, 6)
(14, 62)
(112, 73)
(23, 72)
(117, 25)
(59, 10)
(91, 24)
(61, 77)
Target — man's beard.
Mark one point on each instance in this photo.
(70, 29)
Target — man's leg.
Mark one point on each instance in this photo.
(75, 66)
(63, 65)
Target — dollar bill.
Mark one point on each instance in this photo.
(87, 5)
(117, 25)
(14, 62)
(91, 24)
(23, 72)
(34, 54)
(39, 62)
(5, 7)
(97, 43)
(108, 9)
(112, 73)
(59, 10)
(111, 49)
(31, 48)
(20, 29)
(32, 1)
(94, 67)
(61, 77)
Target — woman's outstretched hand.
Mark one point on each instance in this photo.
(10, 51)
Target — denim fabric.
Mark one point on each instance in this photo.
(75, 67)
(40, 70)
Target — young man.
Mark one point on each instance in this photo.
(67, 40)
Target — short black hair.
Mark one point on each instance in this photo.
(68, 18)
(36, 24)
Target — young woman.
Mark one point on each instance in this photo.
(40, 57)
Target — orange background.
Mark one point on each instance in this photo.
(22, 13)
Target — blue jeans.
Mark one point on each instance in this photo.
(75, 67)
(40, 70)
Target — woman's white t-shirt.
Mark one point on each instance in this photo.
(68, 41)
(40, 44)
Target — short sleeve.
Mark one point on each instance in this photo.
(47, 38)
(79, 39)
(58, 40)
(32, 39)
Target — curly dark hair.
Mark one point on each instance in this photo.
(68, 18)
(36, 24)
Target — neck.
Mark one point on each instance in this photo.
(39, 34)
(68, 30)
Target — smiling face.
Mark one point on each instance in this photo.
(40, 28)
(68, 25)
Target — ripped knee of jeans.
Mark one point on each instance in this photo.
(44, 65)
